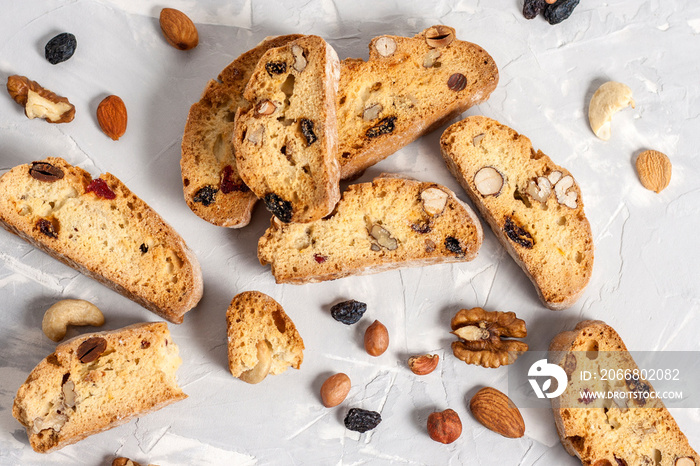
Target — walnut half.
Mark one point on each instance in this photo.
(481, 335)
(39, 102)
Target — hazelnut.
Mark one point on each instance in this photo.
(444, 426)
(386, 46)
(423, 365)
(488, 181)
(335, 389)
(439, 36)
(434, 201)
(376, 339)
(266, 108)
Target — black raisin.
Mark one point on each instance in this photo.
(518, 234)
(275, 67)
(385, 126)
(60, 48)
(560, 10)
(422, 226)
(362, 420)
(307, 129)
(46, 227)
(205, 195)
(348, 312)
(636, 385)
(532, 8)
(620, 462)
(279, 207)
(143, 248)
(452, 245)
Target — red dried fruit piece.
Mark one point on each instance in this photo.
(100, 188)
(228, 185)
(319, 258)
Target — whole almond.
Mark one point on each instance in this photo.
(654, 170)
(496, 412)
(376, 339)
(178, 29)
(335, 389)
(111, 116)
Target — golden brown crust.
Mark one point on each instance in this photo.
(376, 226)
(120, 242)
(206, 143)
(414, 98)
(253, 316)
(552, 242)
(286, 143)
(626, 432)
(69, 396)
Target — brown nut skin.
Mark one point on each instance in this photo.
(495, 411)
(424, 364)
(335, 389)
(444, 426)
(111, 116)
(178, 29)
(376, 339)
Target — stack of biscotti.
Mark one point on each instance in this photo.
(377, 226)
(635, 430)
(212, 185)
(408, 87)
(534, 206)
(286, 142)
(100, 228)
(98, 381)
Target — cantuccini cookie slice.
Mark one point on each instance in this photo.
(633, 427)
(262, 339)
(212, 186)
(286, 142)
(408, 87)
(533, 205)
(382, 225)
(98, 381)
(100, 228)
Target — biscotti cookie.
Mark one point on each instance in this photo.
(377, 226)
(407, 88)
(631, 430)
(98, 381)
(286, 142)
(262, 339)
(533, 205)
(100, 228)
(212, 186)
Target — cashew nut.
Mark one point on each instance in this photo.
(70, 312)
(262, 368)
(610, 98)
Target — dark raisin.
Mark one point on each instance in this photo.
(362, 420)
(143, 248)
(452, 245)
(279, 207)
(100, 188)
(532, 8)
(518, 234)
(60, 48)
(275, 67)
(228, 185)
(44, 171)
(205, 195)
(457, 82)
(641, 388)
(587, 397)
(620, 461)
(46, 227)
(145, 344)
(385, 126)
(348, 312)
(65, 378)
(560, 10)
(307, 129)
